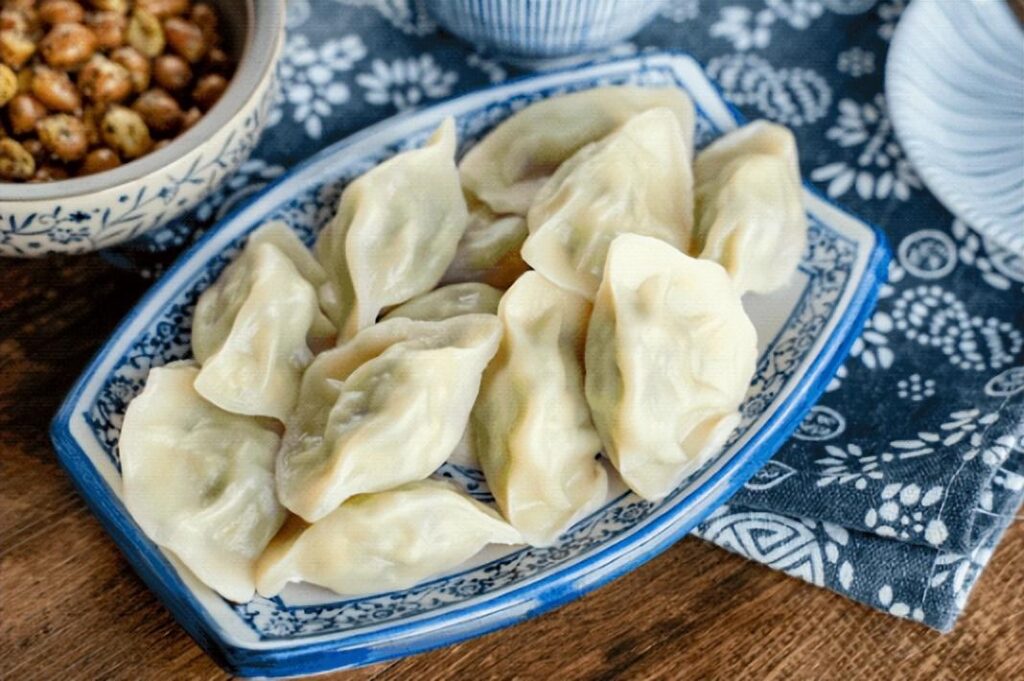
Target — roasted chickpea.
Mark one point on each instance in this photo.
(137, 65)
(8, 84)
(111, 5)
(171, 72)
(185, 38)
(209, 89)
(14, 20)
(204, 16)
(98, 160)
(217, 60)
(145, 33)
(16, 163)
(54, 89)
(23, 112)
(109, 28)
(61, 12)
(125, 132)
(192, 117)
(63, 136)
(67, 45)
(160, 144)
(163, 8)
(104, 81)
(160, 111)
(15, 48)
(50, 173)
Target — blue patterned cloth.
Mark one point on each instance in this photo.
(899, 484)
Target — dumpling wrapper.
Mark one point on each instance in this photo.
(669, 357)
(489, 249)
(385, 408)
(199, 481)
(636, 180)
(252, 330)
(395, 232)
(531, 426)
(449, 301)
(383, 542)
(278, 233)
(750, 215)
(511, 163)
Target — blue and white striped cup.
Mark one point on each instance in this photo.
(544, 29)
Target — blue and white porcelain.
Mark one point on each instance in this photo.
(88, 213)
(544, 29)
(805, 331)
(954, 81)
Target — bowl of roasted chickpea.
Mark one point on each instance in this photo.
(118, 116)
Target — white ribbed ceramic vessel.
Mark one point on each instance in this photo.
(544, 29)
(955, 88)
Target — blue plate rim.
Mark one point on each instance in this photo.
(547, 592)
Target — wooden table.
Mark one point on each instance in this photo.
(71, 607)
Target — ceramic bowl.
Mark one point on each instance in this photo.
(89, 213)
(544, 29)
(954, 81)
(804, 332)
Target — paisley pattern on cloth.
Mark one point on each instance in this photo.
(898, 485)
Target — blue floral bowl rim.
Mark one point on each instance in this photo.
(476, 620)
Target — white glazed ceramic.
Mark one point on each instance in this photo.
(954, 82)
(804, 330)
(544, 29)
(88, 213)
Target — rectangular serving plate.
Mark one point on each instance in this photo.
(805, 332)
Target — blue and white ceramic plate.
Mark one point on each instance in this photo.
(805, 331)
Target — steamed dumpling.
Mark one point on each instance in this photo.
(669, 357)
(385, 408)
(449, 301)
(511, 163)
(531, 426)
(278, 233)
(749, 206)
(395, 232)
(252, 330)
(383, 542)
(637, 180)
(199, 481)
(489, 250)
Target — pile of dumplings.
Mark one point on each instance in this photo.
(572, 287)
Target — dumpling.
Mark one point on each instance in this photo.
(199, 481)
(278, 233)
(669, 357)
(489, 250)
(383, 542)
(251, 333)
(449, 301)
(386, 408)
(511, 163)
(531, 426)
(750, 216)
(637, 180)
(759, 137)
(395, 232)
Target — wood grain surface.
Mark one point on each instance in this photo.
(71, 607)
